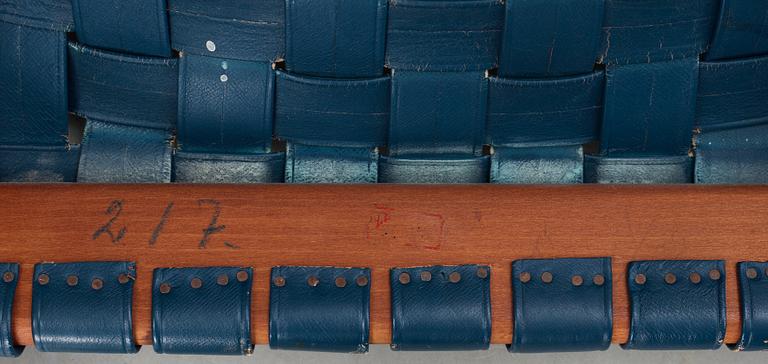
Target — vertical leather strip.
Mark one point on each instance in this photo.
(537, 165)
(9, 275)
(434, 169)
(320, 164)
(640, 170)
(753, 298)
(228, 168)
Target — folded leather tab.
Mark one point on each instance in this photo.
(319, 164)
(237, 29)
(319, 309)
(140, 91)
(83, 307)
(638, 170)
(340, 38)
(753, 296)
(225, 106)
(116, 153)
(141, 26)
(202, 310)
(10, 277)
(441, 307)
(39, 163)
(338, 112)
(656, 30)
(537, 165)
(740, 30)
(434, 169)
(558, 111)
(228, 168)
(550, 38)
(562, 305)
(676, 304)
(45, 14)
(444, 35)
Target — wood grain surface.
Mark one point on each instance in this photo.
(377, 226)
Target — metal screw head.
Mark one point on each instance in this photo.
(695, 278)
(165, 288)
(97, 284)
(751, 273)
(404, 278)
(313, 281)
(196, 283)
(640, 278)
(598, 280)
(546, 277)
(222, 280)
(361, 281)
(72, 280)
(43, 279)
(340, 282)
(242, 276)
(454, 277)
(714, 274)
(8, 277)
(670, 278)
(123, 278)
(525, 277)
(577, 280)
(425, 276)
(482, 273)
(279, 281)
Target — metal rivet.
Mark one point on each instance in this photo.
(454, 277)
(425, 276)
(404, 278)
(224, 78)
(72, 281)
(482, 273)
(341, 282)
(248, 351)
(525, 277)
(123, 278)
(670, 278)
(695, 278)
(222, 280)
(361, 281)
(210, 46)
(97, 284)
(242, 276)
(165, 288)
(196, 283)
(640, 278)
(312, 281)
(714, 274)
(279, 281)
(8, 277)
(751, 273)
(43, 279)
(546, 277)
(598, 280)
(577, 280)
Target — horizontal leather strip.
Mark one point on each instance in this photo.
(28, 163)
(322, 164)
(729, 156)
(562, 305)
(434, 169)
(676, 304)
(740, 30)
(537, 165)
(326, 111)
(638, 170)
(132, 90)
(228, 168)
(753, 299)
(555, 111)
(10, 277)
(319, 309)
(202, 310)
(83, 307)
(45, 14)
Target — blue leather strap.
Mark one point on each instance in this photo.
(83, 307)
(9, 277)
(441, 307)
(648, 31)
(753, 299)
(537, 165)
(118, 153)
(550, 38)
(237, 29)
(562, 305)
(728, 156)
(319, 309)
(132, 26)
(45, 14)
(740, 30)
(339, 38)
(444, 35)
(435, 168)
(638, 170)
(676, 304)
(39, 163)
(202, 310)
(228, 168)
(320, 164)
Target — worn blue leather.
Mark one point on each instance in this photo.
(561, 305)
(323, 164)
(443, 35)
(738, 155)
(740, 30)
(238, 29)
(555, 111)
(214, 318)
(9, 277)
(676, 304)
(132, 26)
(46, 14)
(83, 307)
(228, 168)
(638, 170)
(39, 163)
(319, 309)
(339, 38)
(326, 111)
(550, 38)
(537, 165)
(645, 31)
(753, 300)
(433, 310)
(139, 91)
(434, 169)
(118, 153)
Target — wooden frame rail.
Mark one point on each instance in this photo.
(376, 226)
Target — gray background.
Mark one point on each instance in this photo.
(382, 354)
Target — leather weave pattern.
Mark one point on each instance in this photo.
(10, 278)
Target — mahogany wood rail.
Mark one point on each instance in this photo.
(376, 226)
